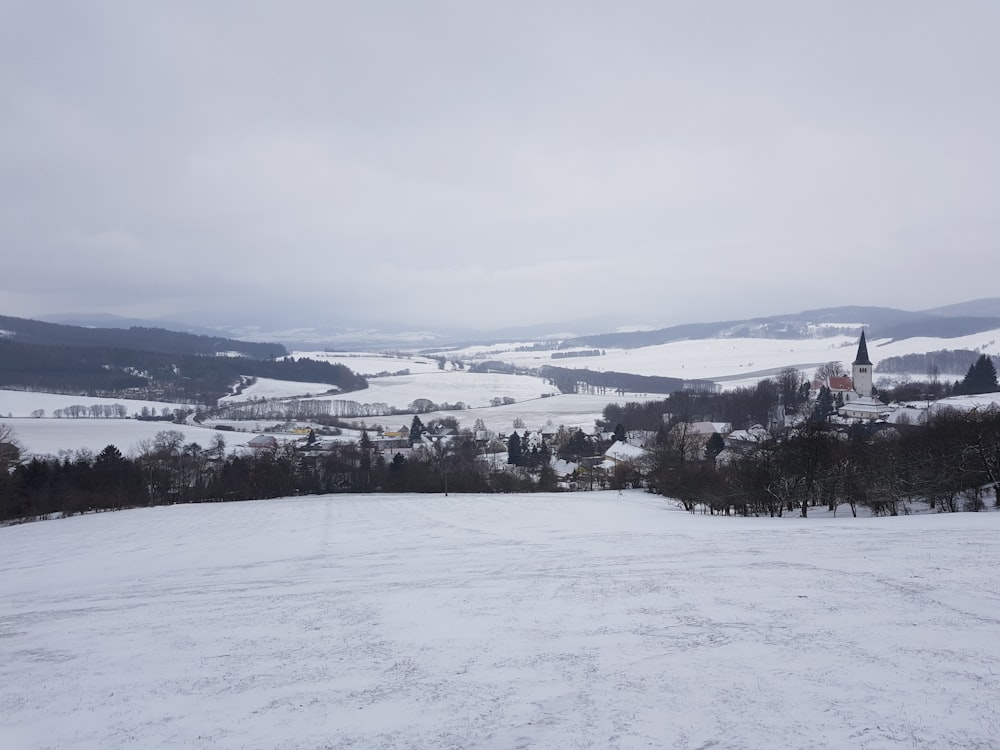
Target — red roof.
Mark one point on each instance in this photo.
(841, 383)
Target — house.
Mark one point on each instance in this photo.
(623, 454)
(865, 407)
(263, 442)
(711, 428)
(841, 385)
(741, 440)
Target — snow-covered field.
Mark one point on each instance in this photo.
(369, 365)
(741, 360)
(968, 403)
(267, 388)
(559, 621)
(23, 403)
(471, 388)
(569, 409)
(49, 436)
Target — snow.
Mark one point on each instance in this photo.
(369, 365)
(471, 388)
(399, 391)
(738, 361)
(541, 621)
(699, 359)
(22, 403)
(625, 452)
(268, 388)
(573, 410)
(44, 437)
(967, 403)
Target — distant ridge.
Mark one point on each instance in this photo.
(984, 307)
(160, 340)
(108, 320)
(951, 321)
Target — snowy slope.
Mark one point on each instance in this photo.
(50, 436)
(23, 403)
(561, 621)
(269, 388)
(735, 358)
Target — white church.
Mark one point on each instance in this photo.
(863, 405)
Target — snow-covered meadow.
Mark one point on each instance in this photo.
(47, 437)
(23, 403)
(734, 361)
(540, 621)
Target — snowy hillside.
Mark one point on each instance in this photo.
(23, 403)
(538, 621)
(732, 359)
(46, 437)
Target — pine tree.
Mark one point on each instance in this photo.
(980, 378)
(824, 405)
(417, 430)
(514, 449)
(619, 434)
(365, 462)
(714, 446)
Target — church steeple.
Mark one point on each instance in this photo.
(862, 369)
(862, 358)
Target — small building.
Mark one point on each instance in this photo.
(865, 407)
(623, 453)
(263, 442)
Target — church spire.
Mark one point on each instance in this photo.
(862, 358)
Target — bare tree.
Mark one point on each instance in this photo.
(10, 447)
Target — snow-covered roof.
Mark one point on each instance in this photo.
(263, 441)
(710, 428)
(865, 407)
(564, 468)
(834, 383)
(754, 434)
(620, 451)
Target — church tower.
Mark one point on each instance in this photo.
(862, 369)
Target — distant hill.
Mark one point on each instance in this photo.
(150, 363)
(160, 340)
(880, 322)
(107, 320)
(981, 308)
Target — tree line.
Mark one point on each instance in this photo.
(952, 462)
(165, 470)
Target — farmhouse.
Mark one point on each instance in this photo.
(263, 442)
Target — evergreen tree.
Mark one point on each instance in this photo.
(619, 434)
(514, 449)
(577, 445)
(980, 378)
(417, 430)
(714, 446)
(824, 408)
(365, 462)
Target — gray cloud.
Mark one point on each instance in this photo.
(489, 164)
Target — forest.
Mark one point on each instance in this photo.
(133, 373)
(137, 337)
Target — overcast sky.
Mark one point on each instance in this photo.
(484, 164)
